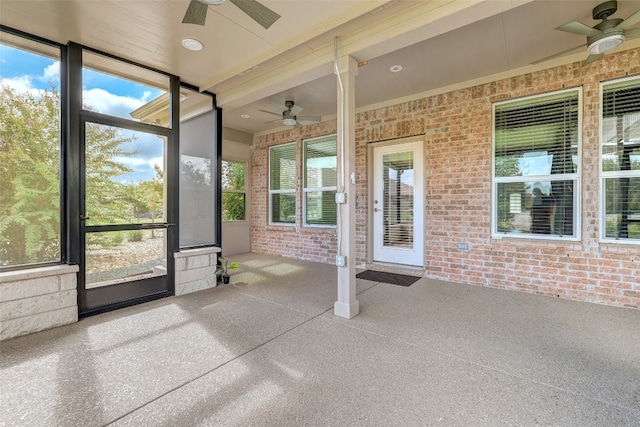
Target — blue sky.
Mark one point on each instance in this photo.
(27, 72)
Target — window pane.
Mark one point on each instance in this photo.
(536, 207)
(622, 214)
(118, 256)
(537, 137)
(233, 206)
(29, 152)
(320, 163)
(283, 208)
(124, 176)
(197, 181)
(621, 128)
(232, 176)
(321, 207)
(282, 167)
(113, 87)
(398, 201)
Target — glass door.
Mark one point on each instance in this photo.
(121, 180)
(123, 223)
(397, 204)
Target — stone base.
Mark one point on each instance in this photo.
(37, 299)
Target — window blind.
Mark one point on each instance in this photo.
(537, 139)
(620, 160)
(320, 181)
(282, 183)
(536, 164)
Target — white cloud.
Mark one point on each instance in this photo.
(132, 162)
(52, 72)
(29, 83)
(22, 84)
(104, 102)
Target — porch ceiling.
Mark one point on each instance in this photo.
(440, 44)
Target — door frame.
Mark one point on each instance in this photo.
(419, 196)
(133, 292)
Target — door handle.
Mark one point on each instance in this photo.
(84, 217)
(376, 209)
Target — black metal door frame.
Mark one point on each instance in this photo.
(111, 297)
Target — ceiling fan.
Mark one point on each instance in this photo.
(602, 37)
(197, 11)
(290, 117)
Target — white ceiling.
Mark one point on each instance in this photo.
(441, 44)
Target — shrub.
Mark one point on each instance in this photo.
(135, 236)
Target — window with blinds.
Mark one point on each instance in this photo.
(398, 188)
(620, 160)
(536, 172)
(282, 184)
(320, 181)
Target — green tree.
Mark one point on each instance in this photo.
(29, 176)
(151, 193)
(106, 199)
(233, 203)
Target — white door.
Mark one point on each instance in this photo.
(398, 204)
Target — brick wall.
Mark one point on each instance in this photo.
(297, 241)
(457, 133)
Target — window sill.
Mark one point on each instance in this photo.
(528, 236)
(37, 272)
(610, 241)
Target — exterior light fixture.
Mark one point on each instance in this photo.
(192, 44)
(606, 43)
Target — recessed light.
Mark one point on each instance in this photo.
(245, 116)
(192, 44)
(395, 68)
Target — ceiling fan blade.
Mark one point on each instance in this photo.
(272, 113)
(309, 118)
(196, 13)
(632, 34)
(556, 55)
(576, 27)
(297, 125)
(259, 13)
(629, 22)
(592, 58)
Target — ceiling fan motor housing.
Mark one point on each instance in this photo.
(604, 10)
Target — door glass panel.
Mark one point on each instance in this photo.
(398, 190)
(121, 256)
(124, 176)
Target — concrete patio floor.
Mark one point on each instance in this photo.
(267, 350)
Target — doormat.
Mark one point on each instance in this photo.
(385, 277)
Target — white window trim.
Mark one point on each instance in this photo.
(576, 177)
(245, 192)
(306, 190)
(288, 191)
(612, 174)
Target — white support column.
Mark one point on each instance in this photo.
(347, 304)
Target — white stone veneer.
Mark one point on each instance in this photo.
(37, 299)
(196, 269)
